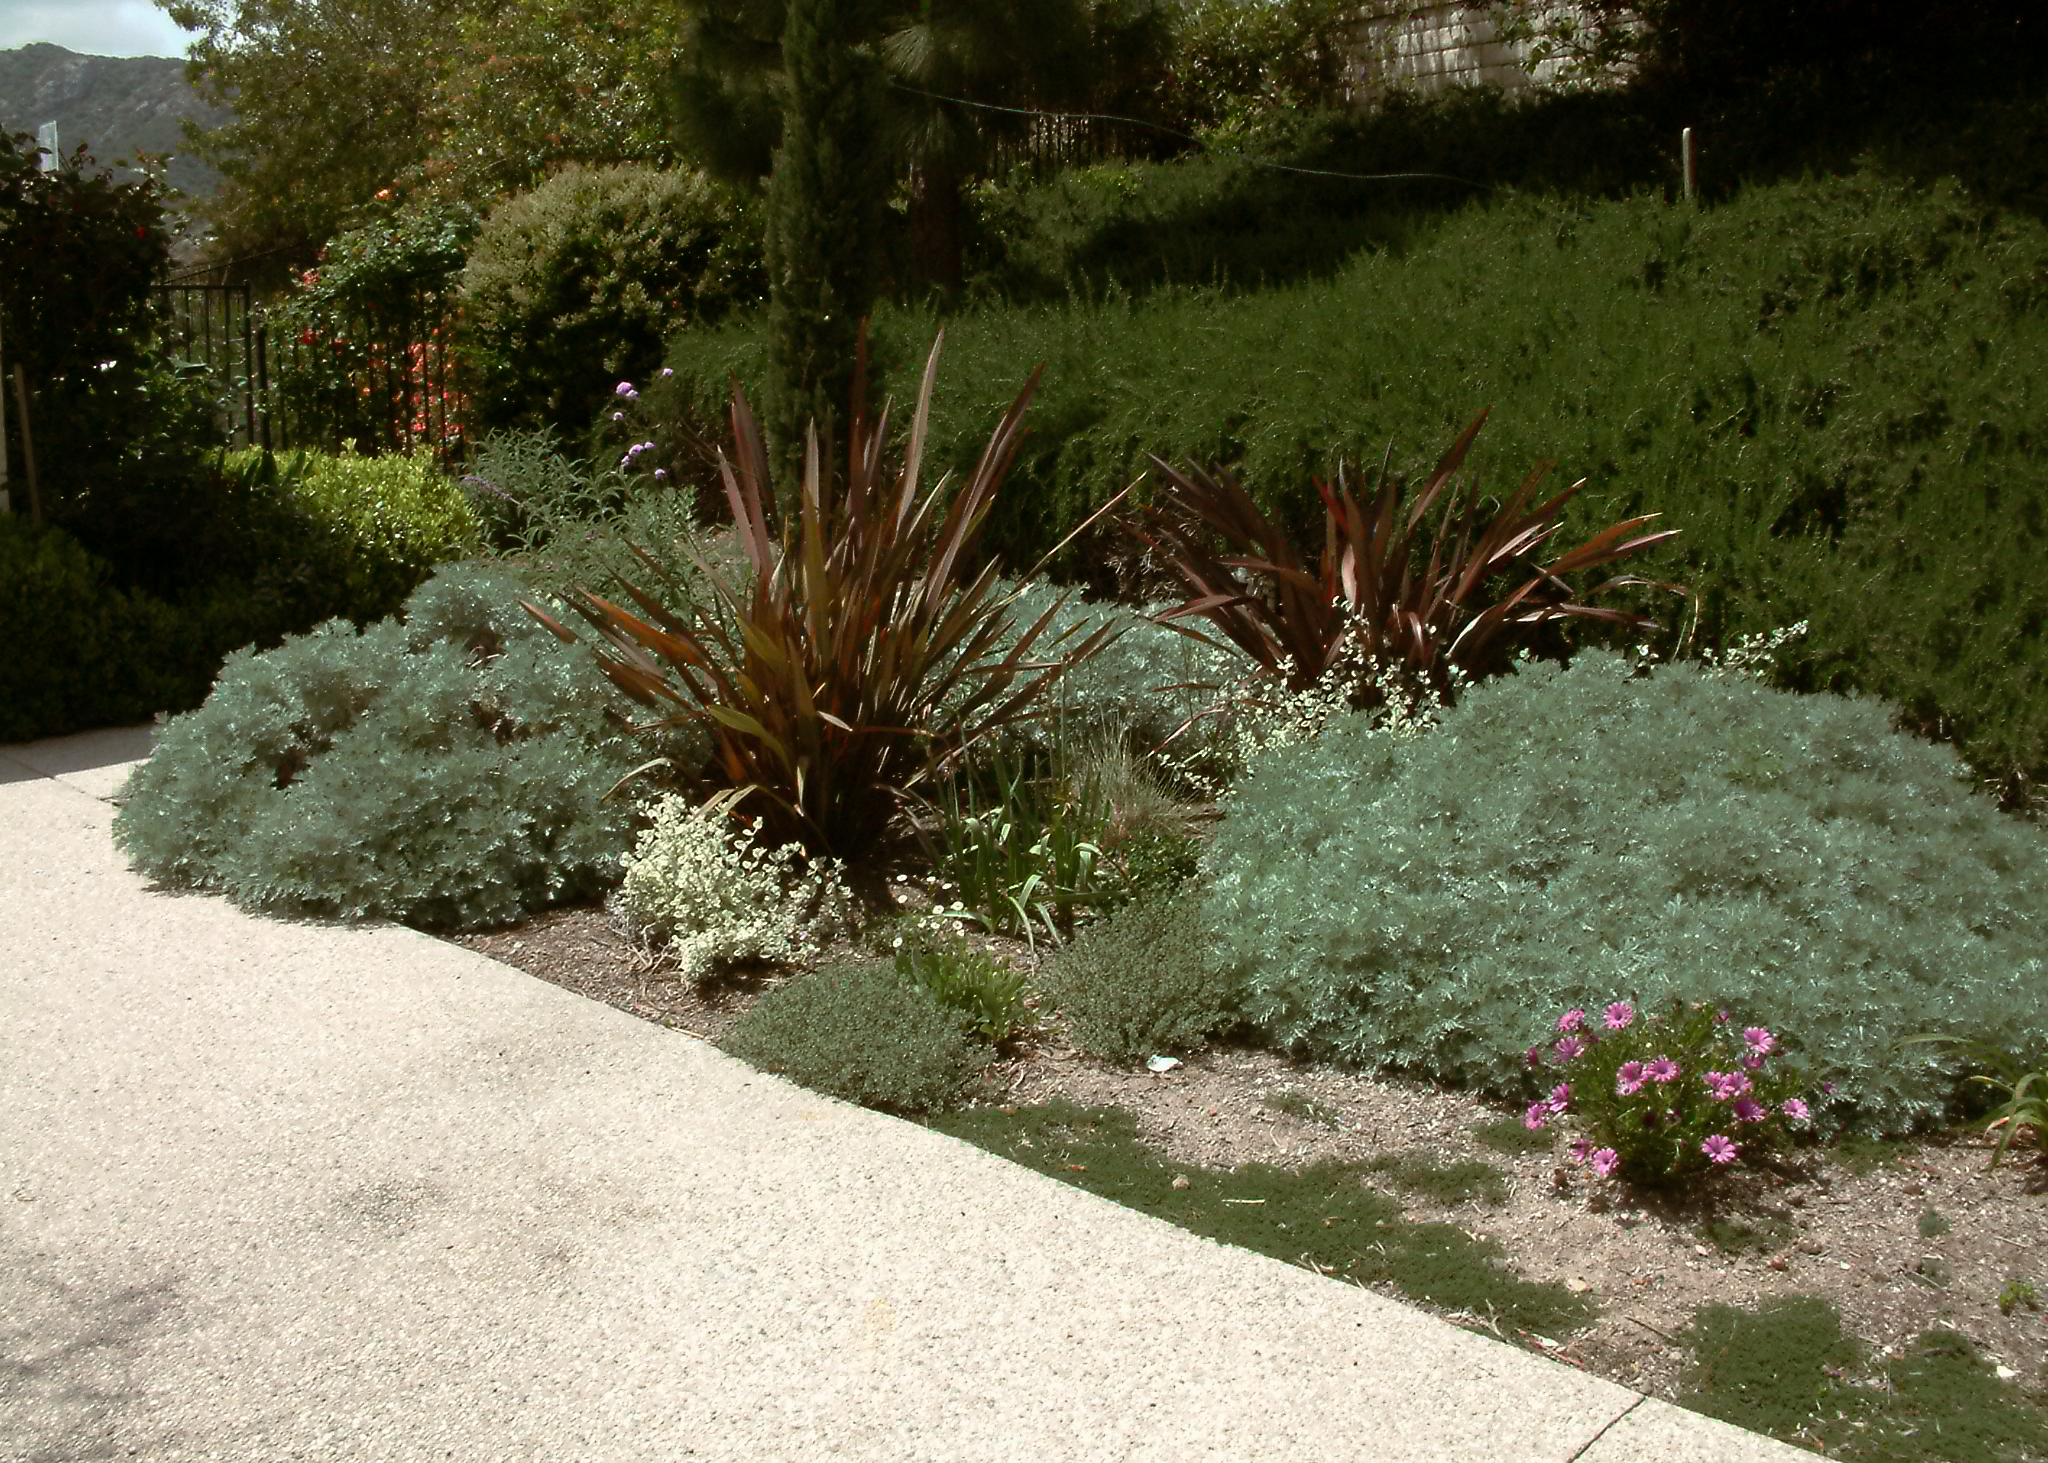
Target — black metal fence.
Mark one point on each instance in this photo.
(1066, 141)
(383, 378)
(216, 326)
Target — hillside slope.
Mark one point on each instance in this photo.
(113, 104)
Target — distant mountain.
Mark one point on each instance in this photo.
(113, 104)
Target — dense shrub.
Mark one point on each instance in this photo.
(1144, 980)
(861, 1033)
(1812, 382)
(400, 517)
(1570, 835)
(109, 658)
(573, 286)
(240, 534)
(446, 772)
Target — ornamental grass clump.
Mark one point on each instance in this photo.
(1363, 599)
(1660, 1104)
(872, 647)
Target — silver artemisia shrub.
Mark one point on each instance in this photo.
(1684, 834)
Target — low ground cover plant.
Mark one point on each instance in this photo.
(862, 1033)
(1144, 981)
(701, 882)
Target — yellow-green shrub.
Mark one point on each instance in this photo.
(402, 512)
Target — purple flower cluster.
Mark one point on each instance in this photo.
(1673, 1108)
(626, 390)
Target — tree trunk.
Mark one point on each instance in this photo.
(935, 227)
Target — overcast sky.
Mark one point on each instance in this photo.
(92, 27)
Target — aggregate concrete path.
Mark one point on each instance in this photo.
(274, 1190)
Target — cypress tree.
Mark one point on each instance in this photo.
(826, 202)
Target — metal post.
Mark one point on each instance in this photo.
(1691, 152)
(248, 367)
(28, 447)
(6, 501)
(262, 382)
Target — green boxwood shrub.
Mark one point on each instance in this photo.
(1144, 980)
(402, 515)
(1571, 836)
(574, 286)
(445, 772)
(861, 1033)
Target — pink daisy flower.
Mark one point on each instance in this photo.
(1719, 1149)
(1605, 1161)
(1628, 1080)
(1571, 1020)
(1537, 1117)
(1561, 1097)
(1749, 1110)
(1618, 1015)
(1794, 1109)
(1726, 1086)
(1568, 1047)
(1759, 1040)
(1661, 1069)
(1753, 1062)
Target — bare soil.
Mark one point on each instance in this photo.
(1899, 1238)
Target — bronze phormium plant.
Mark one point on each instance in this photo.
(865, 656)
(1364, 600)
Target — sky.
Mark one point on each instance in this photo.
(92, 27)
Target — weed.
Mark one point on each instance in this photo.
(1456, 1183)
(1859, 1153)
(1932, 1222)
(1788, 1370)
(1295, 1104)
(1512, 1136)
(1736, 1236)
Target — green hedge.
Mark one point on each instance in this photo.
(1813, 382)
